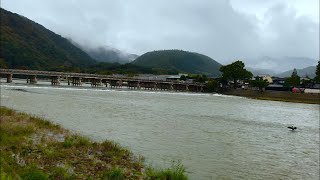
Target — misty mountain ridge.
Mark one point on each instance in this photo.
(278, 64)
(106, 53)
(308, 71)
(257, 71)
(111, 55)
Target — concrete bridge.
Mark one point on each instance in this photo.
(96, 80)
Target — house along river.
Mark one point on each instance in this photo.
(214, 136)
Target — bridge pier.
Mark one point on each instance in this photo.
(105, 82)
(55, 80)
(76, 81)
(180, 87)
(195, 88)
(9, 78)
(33, 79)
(150, 85)
(95, 82)
(133, 84)
(163, 86)
(114, 83)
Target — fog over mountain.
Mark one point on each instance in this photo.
(225, 30)
(308, 71)
(106, 53)
(275, 65)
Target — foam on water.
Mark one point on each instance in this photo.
(122, 90)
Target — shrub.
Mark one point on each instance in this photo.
(33, 173)
(114, 174)
(176, 172)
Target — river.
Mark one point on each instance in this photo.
(214, 136)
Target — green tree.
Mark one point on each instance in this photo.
(198, 78)
(259, 83)
(317, 78)
(212, 85)
(306, 81)
(183, 78)
(235, 71)
(294, 80)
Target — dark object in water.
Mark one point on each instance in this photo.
(292, 128)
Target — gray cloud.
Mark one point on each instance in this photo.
(214, 28)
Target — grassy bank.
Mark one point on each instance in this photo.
(277, 96)
(34, 148)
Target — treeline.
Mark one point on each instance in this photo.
(235, 73)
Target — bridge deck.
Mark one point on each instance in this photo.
(104, 78)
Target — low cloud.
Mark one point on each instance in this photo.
(214, 28)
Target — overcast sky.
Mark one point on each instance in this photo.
(225, 30)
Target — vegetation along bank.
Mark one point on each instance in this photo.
(34, 148)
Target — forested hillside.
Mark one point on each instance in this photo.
(180, 61)
(28, 45)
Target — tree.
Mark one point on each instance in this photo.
(294, 80)
(198, 78)
(317, 78)
(235, 71)
(259, 83)
(306, 82)
(183, 78)
(211, 85)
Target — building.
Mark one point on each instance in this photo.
(176, 77)
(265, 77)
(277, 80)
(277, 87)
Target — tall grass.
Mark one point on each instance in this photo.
(176, 172)
(114, 174)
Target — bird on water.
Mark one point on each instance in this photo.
(292, 128)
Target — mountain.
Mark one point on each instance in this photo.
(180, 61)
(310, 71)
(28, 45)
(279, 64)
(111, 55)
(257, 71)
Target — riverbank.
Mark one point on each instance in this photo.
(34, 148)
(285, 96)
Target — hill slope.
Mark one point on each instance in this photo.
(310, 71)
(111, 55)
(106, 53)
(26, 44)
(181, 61)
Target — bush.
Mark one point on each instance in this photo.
(176, 172)
(114, 174)
(76, 141)
(33, 173)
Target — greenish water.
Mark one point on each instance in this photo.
(214, 136)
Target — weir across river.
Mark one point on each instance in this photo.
(97, 80)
